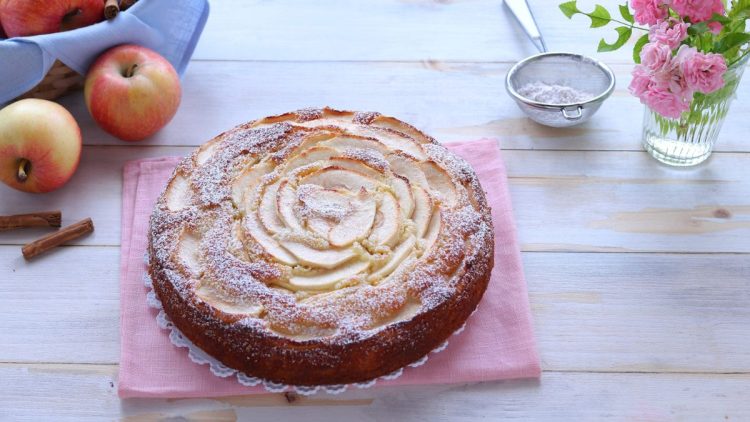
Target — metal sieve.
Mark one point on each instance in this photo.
(573, 70)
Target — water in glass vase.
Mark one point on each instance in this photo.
(689, 140)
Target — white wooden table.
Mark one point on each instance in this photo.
(639, 275)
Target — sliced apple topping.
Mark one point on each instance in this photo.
(422, 210)
(267, 208)
(357, 223)
(328, 279)
(330, 258)
(178, 193)
(286, 200)
(206, 152)
(245, 185)
(344, 142)
(402, 251)
(407, 167)
(410, 309)
(399, 141)
(322, 208)
(356, 165)
(326, 203)
(312, 155)
(386, 226)
(439, 181)
(320, 226)
(269, 244)
(433, 230)
(335, 177)
(189, 252)
(208, 294)
(404, 195)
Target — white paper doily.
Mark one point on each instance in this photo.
(197, 355)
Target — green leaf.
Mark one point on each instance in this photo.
(740, 9)
(623, 36)
(643, 40)
(698, 28)
(730, 41)
(569, 8)
(720, 18)
(625, 13)
(599, 17)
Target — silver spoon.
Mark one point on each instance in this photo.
(522, 13)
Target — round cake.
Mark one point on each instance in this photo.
(320, 247)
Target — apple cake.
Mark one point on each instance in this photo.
(320, 247)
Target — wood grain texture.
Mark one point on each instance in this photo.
(62, 307)
(392, 30)
(566, 200)
(623, 335)
(451, 101)
(602, 312)
(33, 392)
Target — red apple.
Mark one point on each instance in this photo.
(132, 92)
(40, 145)
(2, 32)
(33, 17)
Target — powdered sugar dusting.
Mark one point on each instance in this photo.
(371, 157)
(307, 114)
(365, 117)
(240, 270)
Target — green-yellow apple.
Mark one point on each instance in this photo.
(33, 17)
(132, 92)
(40, 145)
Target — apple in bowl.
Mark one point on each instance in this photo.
(33, 17)
(40, 145)
(132, 92)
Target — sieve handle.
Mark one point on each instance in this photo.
(576, 115)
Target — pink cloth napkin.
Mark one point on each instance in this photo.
(498, 342)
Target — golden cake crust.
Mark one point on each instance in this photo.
(285, 314)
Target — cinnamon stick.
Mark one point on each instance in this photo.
(111, 8)
(52, 240)
(34, 219)
(124, 4)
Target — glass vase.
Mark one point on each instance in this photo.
(690, 139)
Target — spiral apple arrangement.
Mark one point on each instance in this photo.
(344, 207)
(291, 217)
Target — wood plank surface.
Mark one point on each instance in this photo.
(624, 202)
(87, 393)
(637, 273)
(600, 312)
(392, 30)
(566, 200)
(451, 101)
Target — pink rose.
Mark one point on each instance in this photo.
(656, 56)
(698, 10)
(665, 102)
(641, 81)
(674, 81)
(702, 72)
(664, 90)
(670, 32)
(649, 12)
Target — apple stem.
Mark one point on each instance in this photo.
(130, 71)
(24, 166)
